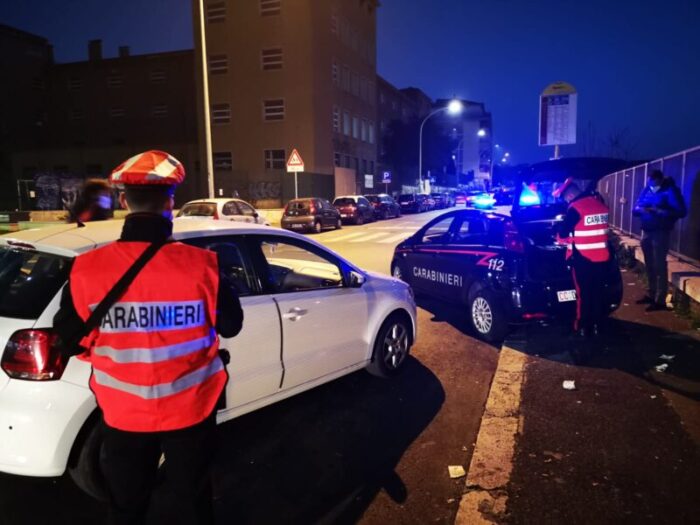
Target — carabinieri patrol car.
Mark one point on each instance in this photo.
(503, 271)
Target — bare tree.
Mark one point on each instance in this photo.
(620, 144)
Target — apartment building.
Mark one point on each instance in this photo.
(287, 74)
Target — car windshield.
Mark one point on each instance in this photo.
(406, 198)
(343, 201)
(29, 280)
(373, 198)
(198, 209)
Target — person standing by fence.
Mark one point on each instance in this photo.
(659, 206)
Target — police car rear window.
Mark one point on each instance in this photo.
(29, 280)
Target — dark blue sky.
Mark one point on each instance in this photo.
(635, 63)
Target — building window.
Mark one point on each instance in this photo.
(363, 131)
(220, 113)
(75, 83)
(347, 125)
(159, 111)
(363, 88)
(335, 73)
(364, 166)
(334, 24)
(382, 98)
(371, 93)
(117, 112)
(216, 12)
(346, 78)
(347, 161)
(77, 114)
(275, 159)
(158, 76)
(355, 128)
(218, 64)
(336, 160)
(336, 119)
(270, 7)
(371, 133)
(222, 160)
(371, 167)
(271, 59)
(355, 84)
(115, 80)
(273, 109)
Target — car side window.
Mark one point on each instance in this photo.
(363, 201)
(246, 210)
(472, 230)
(293, 267)
(232, 262)
(230, 208)
(438, 233)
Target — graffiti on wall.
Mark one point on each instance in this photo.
(265, 190)
(56, 191)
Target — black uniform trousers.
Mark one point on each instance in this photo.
(655, 246)
(589, 280)
(129, 462)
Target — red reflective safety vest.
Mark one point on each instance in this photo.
(590, 235)
(155, 362)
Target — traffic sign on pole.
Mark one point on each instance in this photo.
(295, 164)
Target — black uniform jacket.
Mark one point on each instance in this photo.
(149, 227)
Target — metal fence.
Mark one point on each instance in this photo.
(621, 191)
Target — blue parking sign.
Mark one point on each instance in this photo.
(386, 177)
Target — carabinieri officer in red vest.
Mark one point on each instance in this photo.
(156, 370)
(585, 228)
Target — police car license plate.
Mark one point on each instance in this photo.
(566, 296)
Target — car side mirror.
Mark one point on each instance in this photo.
(256, 214)
(356, 279)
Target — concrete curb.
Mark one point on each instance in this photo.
(485, 497)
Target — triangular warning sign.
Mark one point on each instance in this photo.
(295, 160)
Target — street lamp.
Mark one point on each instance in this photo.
(454, 107)
(481, 132)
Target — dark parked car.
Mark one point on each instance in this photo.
(310, 214)
(354, 208)
(502, 270)
(413, 203)
(384, 205)
(440, 200)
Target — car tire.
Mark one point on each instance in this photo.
(487, 316)
(359, 221)
(385, 215)
(317, 227)
(338, 223)
(84, 466)
(391, 347)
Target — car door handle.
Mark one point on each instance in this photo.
(295, 314)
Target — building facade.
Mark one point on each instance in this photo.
(286, 74)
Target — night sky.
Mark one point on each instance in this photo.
(635, 63)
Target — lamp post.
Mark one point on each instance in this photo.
(455, 107)
(205, 96)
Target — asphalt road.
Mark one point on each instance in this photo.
(359, 449)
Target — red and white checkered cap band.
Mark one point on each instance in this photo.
(148, 168)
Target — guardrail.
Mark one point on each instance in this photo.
(621, 191)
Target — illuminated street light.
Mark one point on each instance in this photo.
(481, 133)
(507, 154)
(454, 107)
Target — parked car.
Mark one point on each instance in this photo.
(310, 214)
(222, 209)
(449, 199)
(310, 317)
(384, 206)
(354, 208)
(412, 203)
(504, 196)
(429, 201)
(440, 201)
(498, 270)
(460, 198)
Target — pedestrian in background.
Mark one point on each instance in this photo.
(157, 373)
(94, 202)
(659, 206)
(585, 228)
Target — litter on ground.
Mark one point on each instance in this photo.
(569, 384)
(666, 357)
(661, 368)
(456, 471)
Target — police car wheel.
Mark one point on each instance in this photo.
(317, 227)
(487, 316)
(391, 347)
(84, 464)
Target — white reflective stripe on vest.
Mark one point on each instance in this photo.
(592, 246)
(154, 355)
(590, 233)
(164, 389)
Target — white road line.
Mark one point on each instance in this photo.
(369, 237)
(395, 238)
(344, 237)
(407, 227)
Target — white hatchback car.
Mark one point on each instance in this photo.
(236, 210)
(310, 317)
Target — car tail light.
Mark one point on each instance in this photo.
(538, 315)
(32, 355)
(312, 209)
(512, 239)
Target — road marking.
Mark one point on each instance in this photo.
(485, 497)
(406, 227)
(395, 238)
(344, 237)
(369, 237)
